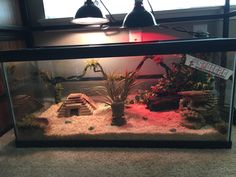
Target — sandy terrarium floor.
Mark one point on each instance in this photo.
(141, 125)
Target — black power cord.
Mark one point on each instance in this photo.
(181, 29)
(151, 7)
(193, 33)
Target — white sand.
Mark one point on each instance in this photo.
(141, 124)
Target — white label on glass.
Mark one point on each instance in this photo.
(208, 67)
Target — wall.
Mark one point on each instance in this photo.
(36, 10)
(10, 12)
(10, 16)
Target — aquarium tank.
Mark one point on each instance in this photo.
(155, 94)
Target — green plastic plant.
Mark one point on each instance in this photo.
(116, 90)
(55, 82)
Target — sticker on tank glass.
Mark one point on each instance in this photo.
(208, 67)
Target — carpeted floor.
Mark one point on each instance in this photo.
(103, 162)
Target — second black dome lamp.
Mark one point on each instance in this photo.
(139, 17)
(89, 14)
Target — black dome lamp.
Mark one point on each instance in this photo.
(89, 14)
(139, 17)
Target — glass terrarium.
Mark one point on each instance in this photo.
(158, 94)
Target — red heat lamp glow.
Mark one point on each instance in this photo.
(138, 36)
(151, 36)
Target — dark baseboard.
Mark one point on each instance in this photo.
(128, 144)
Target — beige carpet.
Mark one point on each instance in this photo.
(103, 162)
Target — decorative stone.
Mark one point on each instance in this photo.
(24, 105)
(198, 108)
(173, 130)
(222, 127)
(145, 118)
(161, 103)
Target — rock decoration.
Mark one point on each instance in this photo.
(32, 121)
(24, 105)
(162, 103)
(198, 108)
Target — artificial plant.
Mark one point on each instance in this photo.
(55, 82)
(178, 77)
(117, 88)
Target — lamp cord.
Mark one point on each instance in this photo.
(195, 34)
(181, 29)
(150, 5)
(113, 19)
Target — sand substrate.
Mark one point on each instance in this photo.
(141, 125)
